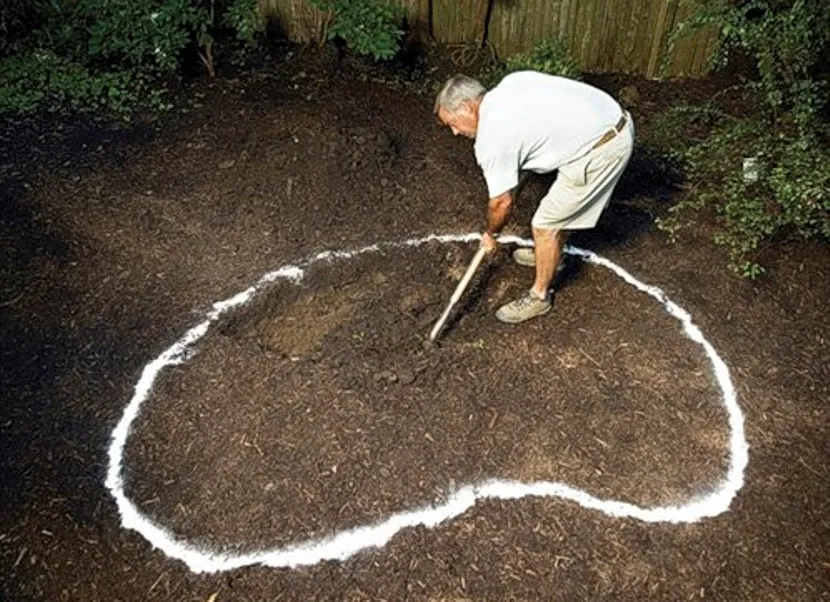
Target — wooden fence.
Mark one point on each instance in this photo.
(624, 36)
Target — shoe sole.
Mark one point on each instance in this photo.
(520, 320)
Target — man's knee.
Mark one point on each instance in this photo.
(551, 234)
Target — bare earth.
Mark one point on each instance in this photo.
(316, 407)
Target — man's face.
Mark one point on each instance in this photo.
(464, 121)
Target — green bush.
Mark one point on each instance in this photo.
(42, 79)
(369, 27)
(787, 40)
(99, 54)
(785, 191)
(113, 53)
(550, 56)
(144, 33)
(245, 18)
(785, 132)
(17, 19)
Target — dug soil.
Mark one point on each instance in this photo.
(318, 406)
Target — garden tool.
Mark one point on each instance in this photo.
(459, 290)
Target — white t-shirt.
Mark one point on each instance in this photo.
(537, 122)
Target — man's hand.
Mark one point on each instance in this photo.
(488, 242)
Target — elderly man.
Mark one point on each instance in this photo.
(541, 123)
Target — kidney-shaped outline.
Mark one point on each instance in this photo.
(344, 544)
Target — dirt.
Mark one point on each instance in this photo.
(317, 406)
(336, 399)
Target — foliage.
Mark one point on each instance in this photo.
(245, 18)
(788, 188)
(137, 33)
(368, 26)
(550, 56)
(786, 135)
(109, 54)
(787, 40)
(42, 79)
(17, 18)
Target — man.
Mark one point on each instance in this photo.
(541, 123)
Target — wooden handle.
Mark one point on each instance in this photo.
(459, 290)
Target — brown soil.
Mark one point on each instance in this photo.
(316, 407)
(339, 416)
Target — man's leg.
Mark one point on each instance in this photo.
(536, 301)
(575, 201)
(549, 245)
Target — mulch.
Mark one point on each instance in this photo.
(316, 407)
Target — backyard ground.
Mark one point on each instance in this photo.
(316, 407)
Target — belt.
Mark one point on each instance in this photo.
(609, 135)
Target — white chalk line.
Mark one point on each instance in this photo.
(346, 543)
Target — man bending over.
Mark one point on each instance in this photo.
(541, 123)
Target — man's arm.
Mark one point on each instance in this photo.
(498, 211)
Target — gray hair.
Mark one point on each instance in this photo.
(458, 89)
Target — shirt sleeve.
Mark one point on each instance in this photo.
(500, 171)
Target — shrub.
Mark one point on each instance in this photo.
(786, 39)
(99, 54)
(550, 56)
(245, 18)
(17, 19)
(42, 79)
(785, 191)
(369, 27)
(141, 33)
(786, 135)
(113, 53)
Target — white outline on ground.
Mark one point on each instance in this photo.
(344, 544)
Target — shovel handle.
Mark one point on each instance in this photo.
(459, 290)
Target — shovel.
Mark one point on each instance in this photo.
(459, 290)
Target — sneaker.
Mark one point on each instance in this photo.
(526, 256)
(523, 308)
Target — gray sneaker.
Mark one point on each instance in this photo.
(526, 256)
(525, 307)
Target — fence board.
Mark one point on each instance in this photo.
(297, 19)
(455, 21)
(624, 24)
(412, 9)
(711, 46)
(578, 29)
(641, 22)
(690, 55)
(605, 36)
(564, 18)
(679, 59)
(627, 36)
(705, 48)
(625, 58)
(649, 20)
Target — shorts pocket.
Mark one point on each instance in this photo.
(575, 173)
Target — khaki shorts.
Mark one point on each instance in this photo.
(583, 187)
